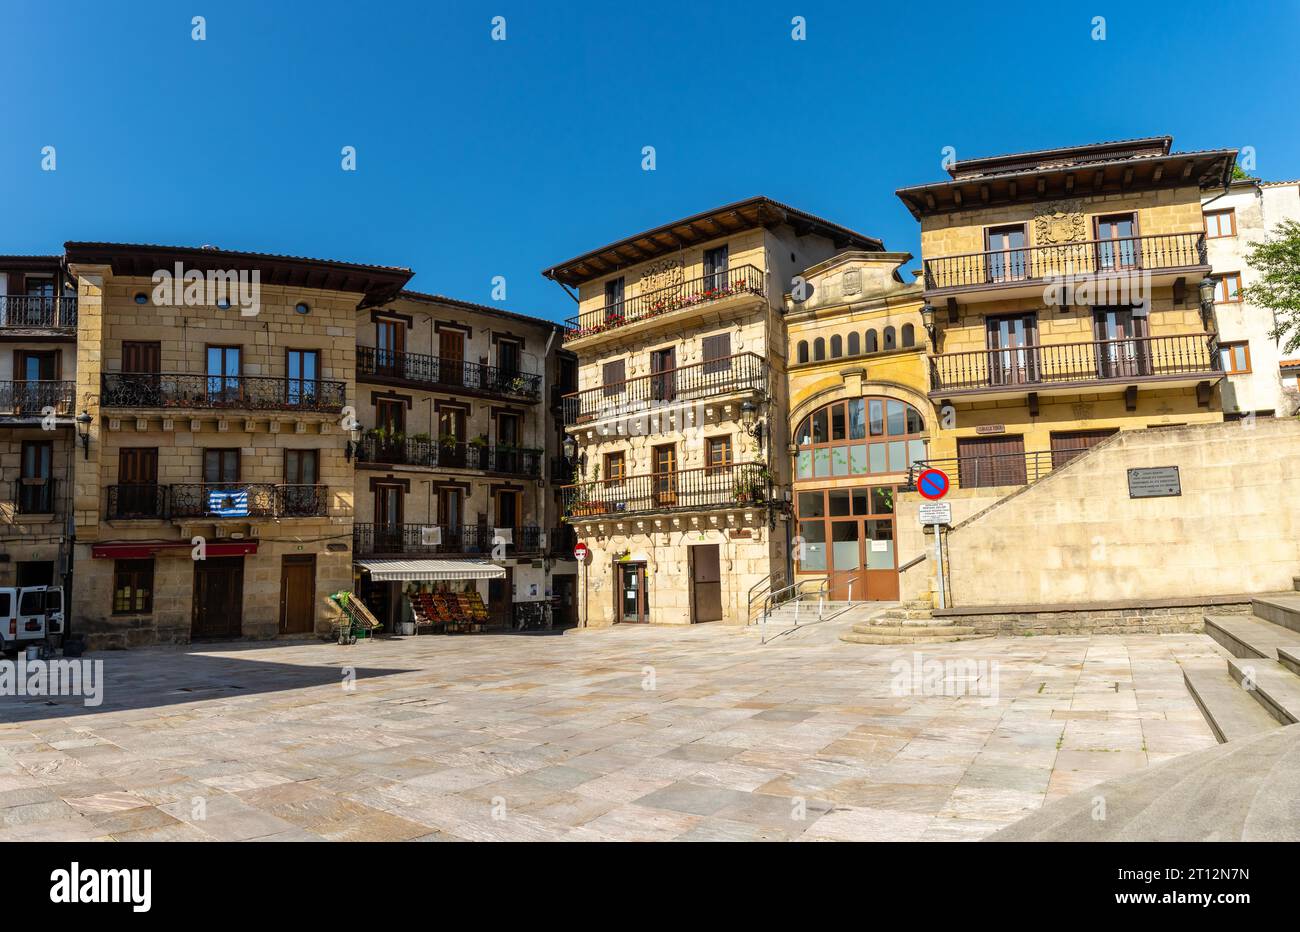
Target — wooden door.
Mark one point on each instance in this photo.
(664, 475)
(142, 361)
(706, 583)
(388, 518)
(297, 594)
(301, 493)
(1006, 256)
(1122, 351)
(390, 347)
(1013, 356)
(35, 487)
(663, 365)
(137, 482)
(302, 382)
(1117, 247)
(983, 462)
(218, 598)
(1068, 444)
(451, 357)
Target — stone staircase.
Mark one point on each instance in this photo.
(1259, 689)
(910, 623)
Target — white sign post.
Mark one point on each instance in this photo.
(938, 515)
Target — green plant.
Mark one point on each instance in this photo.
(448, 441)
(1277, 260)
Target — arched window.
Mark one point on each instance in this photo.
(872, 345)
(860, 437)
(819, 349)
(803, 350)
(855, 343)
(837, 347)
(909, 335)
(889, 338)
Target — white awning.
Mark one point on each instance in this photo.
(430, 570)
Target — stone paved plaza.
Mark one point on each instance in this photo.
(616, 734)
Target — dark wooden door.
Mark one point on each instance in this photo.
(664, 478)
(389, 518)
(663, 364)
(451, 357)
(706, 583)
(137, 482)
(988, 461)
(297, 594)
(218, 598)
(390, 346)
(1068, 444)
(143, 357)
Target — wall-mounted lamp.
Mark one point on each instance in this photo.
(750, 422)
(353, 447)
(927, 319)
(1207, 301)
(84, 420)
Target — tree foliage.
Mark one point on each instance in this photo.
(1276, 260)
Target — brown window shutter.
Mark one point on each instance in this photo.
(613, 375)
(717, 352)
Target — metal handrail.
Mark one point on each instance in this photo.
(793, 593)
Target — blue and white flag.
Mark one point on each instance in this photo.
(228, 503)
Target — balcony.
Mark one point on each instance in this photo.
(38, 312)
(437, 454)
(730, 486)
(688, 296)
(994, 469)
(441, 539)
(712, 379)
(35, 496)
(1060, 368)
(1009, 273)
(454, 376)
(222, 392)
(215, 500)
(31, 399)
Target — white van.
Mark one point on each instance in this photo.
(29, 615)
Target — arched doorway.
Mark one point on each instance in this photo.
(851, 458)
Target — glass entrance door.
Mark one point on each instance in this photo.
(633, 602)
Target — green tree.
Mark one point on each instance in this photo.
(1277, 261)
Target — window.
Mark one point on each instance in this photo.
(855, 344)
(837, 347)
(1006, 253)
(715, 267)
(35, 488)
(223, 374)
(303, 368)
(1220, 223)
(614, 300)
(1235, 358)
(509, 357)
(859, 437)
(1227, 290)
(615, 466)
(718, 452)
(717, 352)
(909, 336)
(891, 340)
(803, 351)
(819, 349)
(132, 587)
(612, 376)
(1116, 246)
(220, 466)
(873, 345)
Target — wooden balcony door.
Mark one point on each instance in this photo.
(301, 477)
(1013, 342)
(664, 475)
(1116, 247)
(1124, 352)
(983, 462)
(451, 515)
(390, 344)
(34, 366)
(144, 358)
(35, 494)
(137, 480)
(1007, 260)
(451, 357)
(223, 371)
(302, 367)
(388, 518)
(663, 382)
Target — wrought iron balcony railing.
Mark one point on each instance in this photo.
(561, 540)
(1066, 260)
(442, 539)
(217, 500)
(36, 496)
(449, 374)
(30, 399)
(713, 378)
(38, 312)
(411, 451)
(236, 392)
(986, 470)
(723, 486)
(742, 279)
(1036, 367)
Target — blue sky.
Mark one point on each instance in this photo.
(479, 158)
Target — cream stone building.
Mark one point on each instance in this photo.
(455, 458)
(679, 426)
(1247, 212)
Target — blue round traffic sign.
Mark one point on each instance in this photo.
(932, 484)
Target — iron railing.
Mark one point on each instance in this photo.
(561, 540)
(993, 469)
(36, 496)
(1066, 260)
(32, 398)
(38, 312)
(217, 500)
(451, 374)
(728, 375)
(710, 487)
(742, 279)
(369, 538)
(1095, 361)
(241, 392)
(412, 451)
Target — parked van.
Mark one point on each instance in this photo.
(29, 615)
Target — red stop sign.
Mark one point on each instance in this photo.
(580, 552)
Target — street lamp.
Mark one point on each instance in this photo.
(84, 420)
(353, 447)
(749, 420)
(1207, 300)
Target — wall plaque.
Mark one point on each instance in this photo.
(1154, 482)
(991, 429)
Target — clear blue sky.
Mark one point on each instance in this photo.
(479, 158)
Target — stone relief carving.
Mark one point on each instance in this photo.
(662, 274)
(1060, 222)
(852, 281)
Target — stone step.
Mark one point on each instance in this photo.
(1281, 608)
(1290, 659)
(916, 613)
(1230, 712)
(1275, 687)
(853, 637)
(1247, 636)
(913, 630)
(920, 604)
